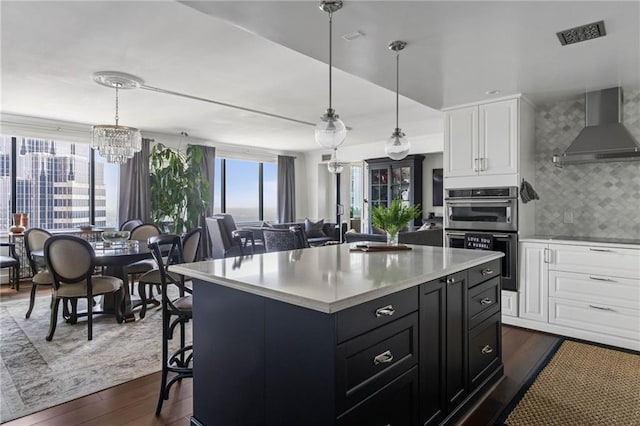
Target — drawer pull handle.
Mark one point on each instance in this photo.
(605, 250)
(486, 301)
(486, 271)
(601, 279)
(383, 358)
(451, 280)
(602, 308)
(487, 350)
(385, 310)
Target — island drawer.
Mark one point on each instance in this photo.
(484, 301)
(366, 363)
(367, 316)
(484, 350)
(395, 404)
(483, 272)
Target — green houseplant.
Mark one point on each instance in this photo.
(179, 190)
(393, 218)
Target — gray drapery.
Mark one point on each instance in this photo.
(135, 199)
(286, 189)
(207, 166)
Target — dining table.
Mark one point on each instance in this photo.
(114, 258)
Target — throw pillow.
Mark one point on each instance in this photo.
(314, 229)
(377, 230)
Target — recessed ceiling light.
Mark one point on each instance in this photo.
(352, 36)
(492, 92)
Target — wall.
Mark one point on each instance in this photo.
(431, 161)
(604, 198)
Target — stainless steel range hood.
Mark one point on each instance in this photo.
(604, 137)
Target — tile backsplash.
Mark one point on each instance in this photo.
(600, 199)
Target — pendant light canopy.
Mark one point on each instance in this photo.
(397, 146)
(330, 130)
(116, 143)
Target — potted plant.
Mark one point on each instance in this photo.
(179, 190)
(393, 218)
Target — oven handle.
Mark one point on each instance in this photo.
(461, 234)
(484, 201)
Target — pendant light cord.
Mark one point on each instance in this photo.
(330, 54)
(397, 85)
(117, 87)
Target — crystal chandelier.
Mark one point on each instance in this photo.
(397, 146)
(330, 130)
(116, 143)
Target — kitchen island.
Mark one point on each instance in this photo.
(327, 336)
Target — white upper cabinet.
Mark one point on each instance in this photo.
(486, 144)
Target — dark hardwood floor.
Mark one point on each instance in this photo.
(134, 402)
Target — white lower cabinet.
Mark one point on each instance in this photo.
(583, 290)
(509, 302)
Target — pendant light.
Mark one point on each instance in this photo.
(330, 130)
(334, 165)
(397, 146)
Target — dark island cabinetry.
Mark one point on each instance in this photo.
(419, 356)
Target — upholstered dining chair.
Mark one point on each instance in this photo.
(176, 312)
(12, 261)
(142, 233)
(191, 245)
(71, 261)
(34, 239)
(128, 225)
(282, 239)
(227, 240)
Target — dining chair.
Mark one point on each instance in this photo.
(71, 261)
(128, 225)
(34, 239)
(191, 245)
(282, 239)
(142, 233)
(176, 312)
(12, 261)
(227, 240)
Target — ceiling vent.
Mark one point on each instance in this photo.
(582, 33)
(326, 157)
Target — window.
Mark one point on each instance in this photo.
(53, 184)
(355, 192)
(5, 183)
(248, 190)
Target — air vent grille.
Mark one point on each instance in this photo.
(326, 157)
(582, 33)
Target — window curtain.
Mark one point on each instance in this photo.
(207, 166)
(135, 199)
(286, 189)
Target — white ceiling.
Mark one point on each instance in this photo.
(270, 56)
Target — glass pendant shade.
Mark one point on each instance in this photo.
(330, 131)
(334, 165)
(397, 146)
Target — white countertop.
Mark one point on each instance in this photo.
(630, 243)
(329, 279)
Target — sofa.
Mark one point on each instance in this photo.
(426, 237)
(329, 230)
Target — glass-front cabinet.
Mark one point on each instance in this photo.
(390, 180)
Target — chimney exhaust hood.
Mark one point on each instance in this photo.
(604, 137)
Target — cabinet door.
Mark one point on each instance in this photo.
(534, 281)
(498, 138)
(456, 381)
(432, 356)
(461, 142)
(379, 178)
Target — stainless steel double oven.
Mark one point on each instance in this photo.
(489, 216)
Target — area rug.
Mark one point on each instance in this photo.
(36, 374)
(581, 384)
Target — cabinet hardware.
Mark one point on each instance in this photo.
(486, 271)
(604, 250)
(486, 301)
(602, 308)
(500, 236)
(547, 255)
(383, 358)
(451, 280)
(456, 234)
(602, 279)
(385, 310)
(487, 350)
(483, 164)
(475, 165)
